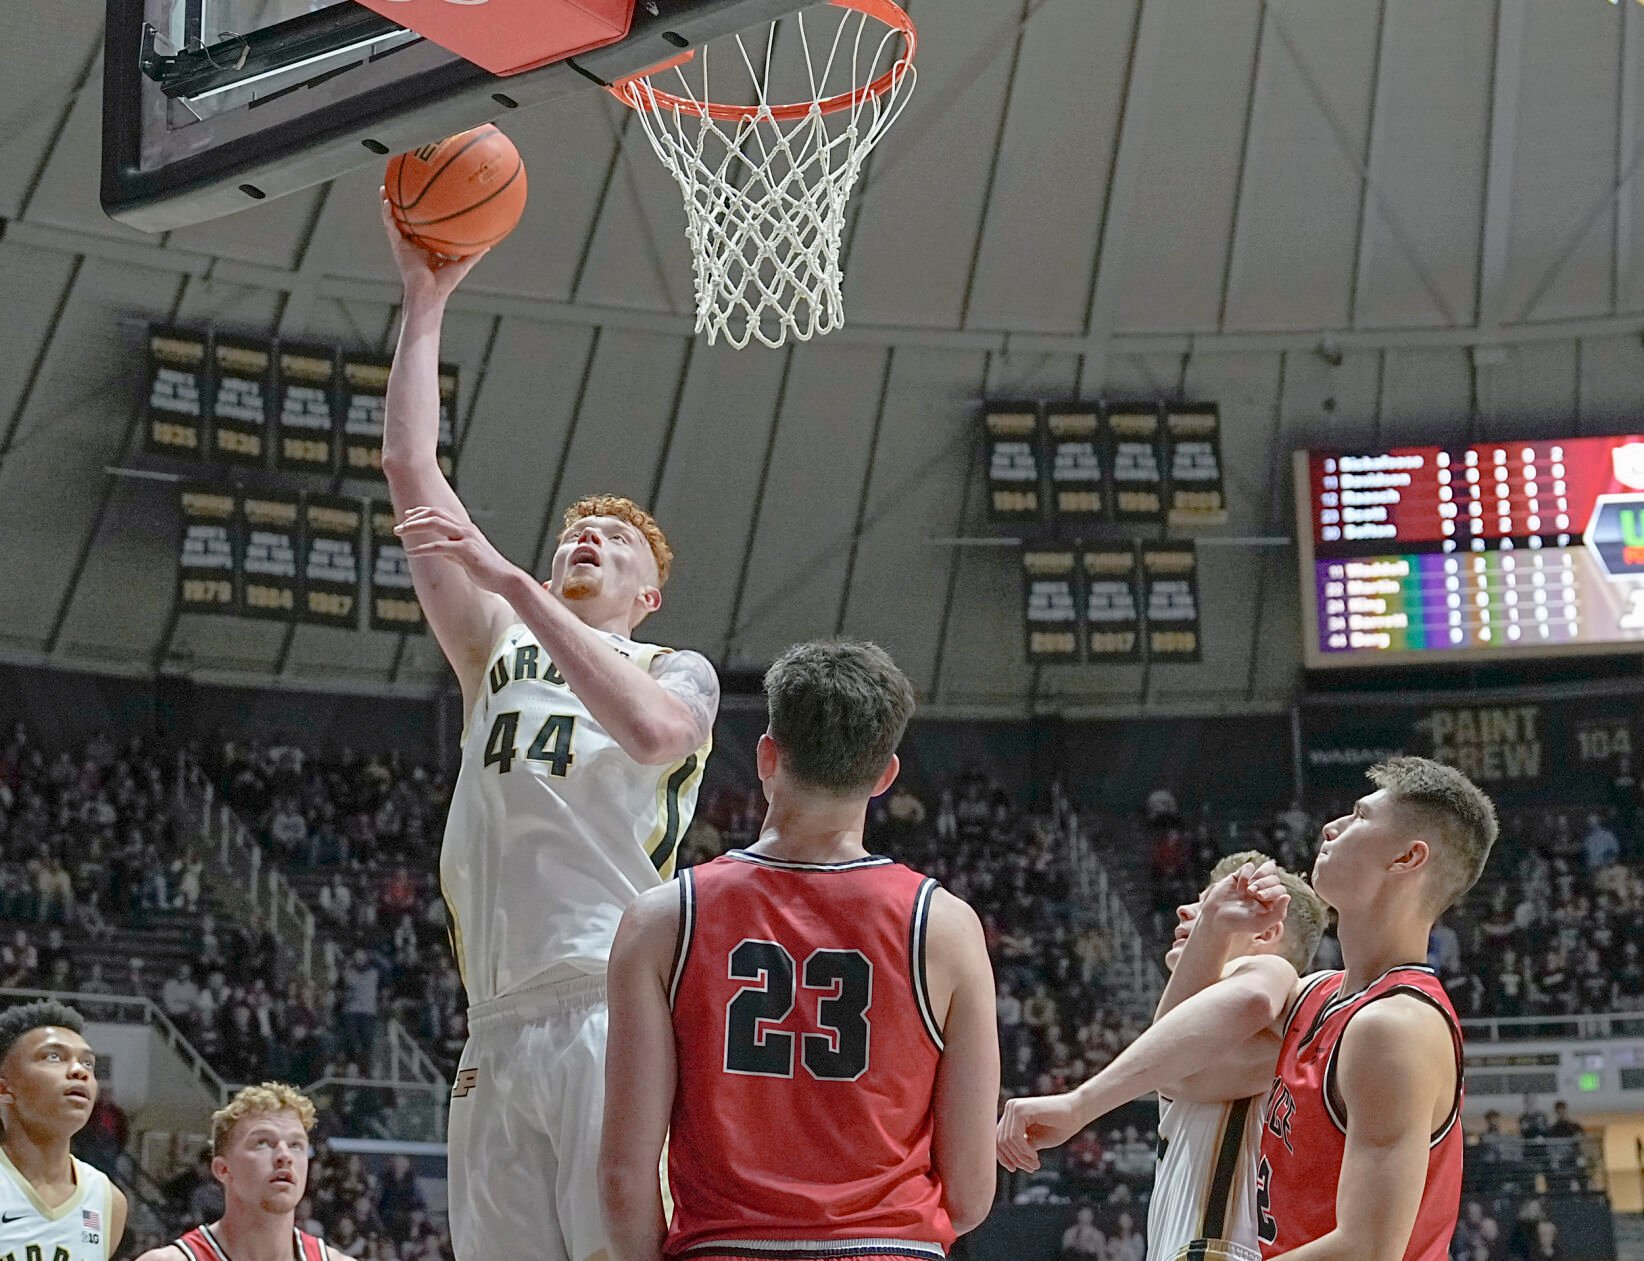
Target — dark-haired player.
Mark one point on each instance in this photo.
(51, 1205)
(1361, 1151)
(810, 1026)
(259, 1152)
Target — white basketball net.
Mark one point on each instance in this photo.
(765, 196)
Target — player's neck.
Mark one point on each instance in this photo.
(588, 612)
(1376, 939)
(807, 833)
(42, 1158)
(254, 1235)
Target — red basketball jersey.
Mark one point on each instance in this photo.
(807, 1062)
(200, 1244)
(1305, 1134)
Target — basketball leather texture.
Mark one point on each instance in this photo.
(460, 195)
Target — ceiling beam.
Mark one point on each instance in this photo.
(1506, 74)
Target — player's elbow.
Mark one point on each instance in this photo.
(1256, 1006)
(623, 1187)
(968, 1197)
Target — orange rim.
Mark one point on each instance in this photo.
(887, 11)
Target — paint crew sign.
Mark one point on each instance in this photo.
(1490, 743)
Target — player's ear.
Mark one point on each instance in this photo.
(651, 598)
(219, 1169)
(1413, 858)
(887, 777)
(766, 756)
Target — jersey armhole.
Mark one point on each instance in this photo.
(508, 628)
(687, 928)
(1337, 1107)
(918, 924)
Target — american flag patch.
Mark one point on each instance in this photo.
(91, 1219)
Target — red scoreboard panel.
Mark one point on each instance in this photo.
(1492, 550)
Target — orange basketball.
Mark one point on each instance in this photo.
(460, 195)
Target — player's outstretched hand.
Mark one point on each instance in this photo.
(424, 275)
(438, 533)
(1032, 1124)
(1251, 900)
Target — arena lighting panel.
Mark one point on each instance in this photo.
(1490, 551)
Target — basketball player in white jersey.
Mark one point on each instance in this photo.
(1209, 1055)
(581, 758)
(259, 1152)
(52, 1206)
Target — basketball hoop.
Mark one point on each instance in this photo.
(767, 179)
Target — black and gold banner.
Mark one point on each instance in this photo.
(1051, 604)
(1113, 603)
(1138, 464)
(270, 522)
(208, 550)
(305, 409)
(331, 560)
(241, 389)
(394, 604)
(1078, 486)
(1171, 583)
(365, 392)
(179, 378)
(1193, 446)
(446, 451)
(1015, 462)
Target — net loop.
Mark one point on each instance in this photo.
(767, 182)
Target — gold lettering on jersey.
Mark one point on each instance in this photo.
(499, 674)
(525, 662)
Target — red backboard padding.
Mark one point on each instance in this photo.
(508, 36)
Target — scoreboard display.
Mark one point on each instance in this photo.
(1491, 550)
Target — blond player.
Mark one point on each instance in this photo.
(1209, 1055)
(51, 1205)
(581, 757)
(259, 1152)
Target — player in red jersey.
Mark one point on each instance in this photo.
(810, 1026)
(1361, 1150)
(259, 1152)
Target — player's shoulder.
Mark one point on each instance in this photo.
(1401, 1026)
(166, 1252)
(953, 921)
(655, 910)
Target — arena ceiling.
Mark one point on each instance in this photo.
(1343, 221)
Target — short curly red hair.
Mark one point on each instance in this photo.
(624, 509)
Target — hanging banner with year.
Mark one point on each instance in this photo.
(394, 604)
(331, 561)
(240, 390)
(1138, 464)
(365, 397)
(179, 376)
(1051, 604)
(208, 550)
(1171, 586)
(1015, 461)
(270, 522)
(1078, 486)
(1113, 603)
(1193, 450)
(305, 409)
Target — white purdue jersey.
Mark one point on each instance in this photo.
(76, 1230)
(1206, 1182)
(553, 829)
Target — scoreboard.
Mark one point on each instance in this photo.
(1485, 551)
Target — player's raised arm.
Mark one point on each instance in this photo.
(967, 1076)
(1242, 903)
(640, 1076)
(464, 617)
(1397, 1080)
(1209, 1033)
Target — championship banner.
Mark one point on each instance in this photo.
(1077, 485)
(1051, 605)
(206, 570)
(1193, 450)
(1138, 464)
(305, 409)
(1515, 748)
(178, 379)
(1113, 603)
(239, 399)
(1171, 587)
(394, 604)
(365, 394)
(270, 524)
(446, 450)
(1015, 462)
(331, 561)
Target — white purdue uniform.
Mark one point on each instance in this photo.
(1205, 1188)
(553, 831)
(76, 1230)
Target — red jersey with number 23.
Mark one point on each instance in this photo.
(1304, 1135)
(807, 1062)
